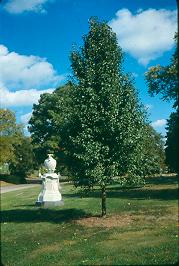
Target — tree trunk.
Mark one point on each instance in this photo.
(103, 198)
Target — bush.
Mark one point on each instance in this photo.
(14, 179)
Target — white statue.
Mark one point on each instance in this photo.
(50, 194)
(50, 163)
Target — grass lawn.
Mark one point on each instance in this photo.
(140, 228)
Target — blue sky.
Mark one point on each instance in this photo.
(36, 37)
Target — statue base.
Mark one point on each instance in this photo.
(49, 203)
(50, 195)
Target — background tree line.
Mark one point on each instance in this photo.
(16, 150)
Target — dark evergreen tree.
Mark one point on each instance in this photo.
(172, 143)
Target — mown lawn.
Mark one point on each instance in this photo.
(140, 229)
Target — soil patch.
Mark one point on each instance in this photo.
(123, 220)
(111, 221)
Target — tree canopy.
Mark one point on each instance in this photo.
(45, 123)
(24, 161)
(163, 80)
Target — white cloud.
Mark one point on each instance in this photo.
(21, 71)
(25, 118)
(3, 50)
(20, 6)
(24, 78)
(164, 140)
(25, 121)
(21, 97)
(148, 106)
(159, 123)
(147, 34)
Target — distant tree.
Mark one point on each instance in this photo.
(24, 161)
(154, 152)
(103, 136)
(10, 133)
(15, 148)
(164, 81)
(46, 121)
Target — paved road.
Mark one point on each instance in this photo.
(17, 187)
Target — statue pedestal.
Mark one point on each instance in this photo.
(50, 194)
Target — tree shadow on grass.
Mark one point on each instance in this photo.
(131, 193)
(143, 193)
(159, 194)
(42, 215)
(163, 180)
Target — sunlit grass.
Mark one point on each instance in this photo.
(140, 228)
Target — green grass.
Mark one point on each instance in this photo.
(145, 234)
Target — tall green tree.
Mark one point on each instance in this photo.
(103, 136)
(163, 80)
